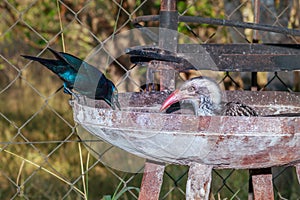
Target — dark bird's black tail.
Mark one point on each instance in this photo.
(49, 63)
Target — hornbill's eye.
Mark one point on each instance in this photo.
(191, 89)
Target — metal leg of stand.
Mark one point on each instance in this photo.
(199, 182)
(152, 181)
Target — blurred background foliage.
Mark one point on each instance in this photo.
(36, 120)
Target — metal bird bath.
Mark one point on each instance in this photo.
(182, 138)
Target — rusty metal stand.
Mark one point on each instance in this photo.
(199, 182)
(199, 177)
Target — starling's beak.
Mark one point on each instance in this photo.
(118, 104)
(175, 97)
(115, 102)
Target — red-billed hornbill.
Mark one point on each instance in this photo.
(206, 97)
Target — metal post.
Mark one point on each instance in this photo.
(256, 20)
(261, 179)
(255, 39)
(168, 39)
(262, 184)
(153, 173)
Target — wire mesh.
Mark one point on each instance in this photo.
(41, 154)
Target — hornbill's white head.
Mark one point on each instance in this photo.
(203, 92)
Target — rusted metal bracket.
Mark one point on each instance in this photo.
(199, 182)
(223, 57)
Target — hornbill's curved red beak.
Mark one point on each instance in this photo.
(175, 97)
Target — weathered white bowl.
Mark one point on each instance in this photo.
(221, 141)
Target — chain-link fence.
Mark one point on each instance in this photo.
(42, 156)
